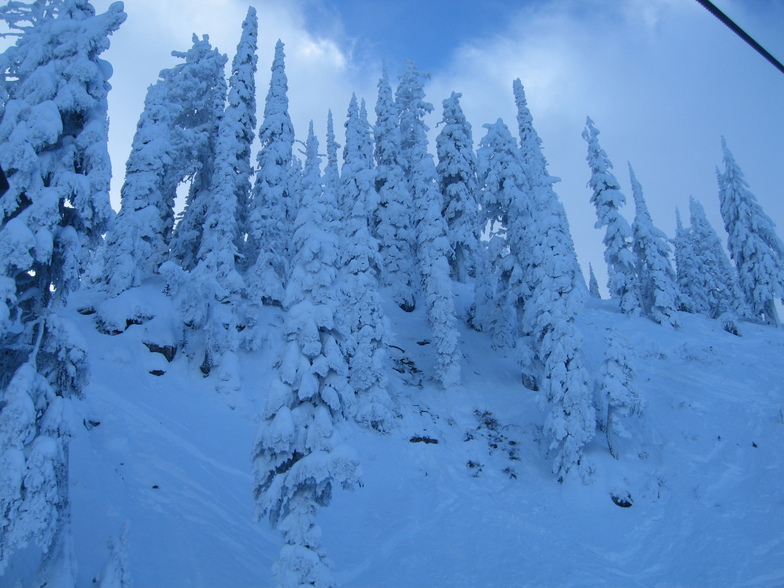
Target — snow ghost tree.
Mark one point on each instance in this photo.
(173, 141)
(433, 250)
(755, 248)
(458, 184)
(607, 198)
(616, 389)
(363, 320)
(53, 135)
(273, 207)
(714, 285)
(555, 290)
(392, 221)
(299, 454)
(210, 295)
(203, 93)
(657, 280)
(241, 109)
(593, 284)
(506, 212)
(691, 297)
(331, 179)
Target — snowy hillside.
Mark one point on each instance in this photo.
(460, 493)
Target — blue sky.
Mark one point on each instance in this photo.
(425, 32)
(662, 79)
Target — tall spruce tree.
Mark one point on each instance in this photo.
(433, 250)
(755, 248)
(299, 455)
(203, 92)
(691, 295)
(457, 183)
(331, 171)
(53, 148)
(657, 280)
(593, 284)
(392, 220)
(274, 206)
(607, 198)
(365, 332)
(241, 109)
(216, 284)
(720, 294)
(506, 212)
(173, 142)
(616, 389)
(555, 288)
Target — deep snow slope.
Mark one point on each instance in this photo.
(460, 493)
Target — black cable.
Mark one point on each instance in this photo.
(741, 33)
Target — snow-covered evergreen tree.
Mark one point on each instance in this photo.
(173, 142)
(363, 319)
(657, 280)
(691, 296)
(392, 219)
(755, 248)
(202, 91)
(607, 198)
(273, 207)
(299, 453)
(215, 284)
(331, 171)
(555, 289)
(593, 284)
(715, 282)
(506, 212)
(457, 183)
(616, 388)
(53, 148)
(241, 109)
(433, 249)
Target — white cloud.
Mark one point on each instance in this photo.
(662, 79)
(320, 74)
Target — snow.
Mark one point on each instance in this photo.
(702, 467)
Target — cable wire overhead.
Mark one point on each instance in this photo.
(741, 33)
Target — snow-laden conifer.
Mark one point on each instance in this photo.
(656, 278)
(506, 212)
(593, 284)
(53, 148)
(616, 388)
(362, 317)
(202, 92)
(755, 248)
(535, 169)
(607, 198)
(299, 453)
(691, 295)
(273, 207)
(241, 108)
(331, 171)
(457, 183)
(554, 292)
(172, 143)
(216, 284)
(433, 249)
(392, 219)
(715, 280)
